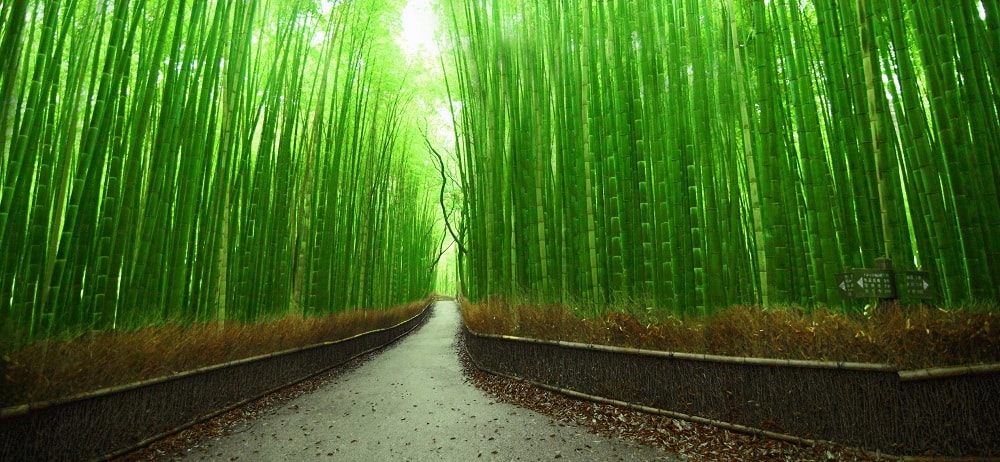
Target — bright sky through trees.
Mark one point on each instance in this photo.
(420, 25)
(418, 40)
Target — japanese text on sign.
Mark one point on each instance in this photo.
(873, 283)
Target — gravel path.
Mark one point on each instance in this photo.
(412, 402)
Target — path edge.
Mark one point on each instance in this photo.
(114, 421)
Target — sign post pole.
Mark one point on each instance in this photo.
(887, 301)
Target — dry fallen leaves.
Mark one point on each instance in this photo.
(688, 440)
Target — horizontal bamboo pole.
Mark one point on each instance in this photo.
(941, 372)
(906, 376)
(705, 357)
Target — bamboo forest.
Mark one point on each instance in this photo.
(203, 161)
(694, 154)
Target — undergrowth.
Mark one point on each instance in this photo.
(907, 338)
(57, 368)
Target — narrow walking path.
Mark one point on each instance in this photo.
(412, 403)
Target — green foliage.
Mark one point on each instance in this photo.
(706, 153)
(203, 161)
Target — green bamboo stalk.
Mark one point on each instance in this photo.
(751, 168)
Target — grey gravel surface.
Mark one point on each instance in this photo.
(413, 403)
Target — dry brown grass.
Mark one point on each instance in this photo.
(908, 338)
(58, 368)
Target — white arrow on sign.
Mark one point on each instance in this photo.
(926, 285)
(861, 282)
(843, 286)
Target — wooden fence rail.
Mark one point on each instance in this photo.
(115, 420)
(874, 407)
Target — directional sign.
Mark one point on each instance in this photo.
(845, 284)
(873, 283)
(916, 284)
